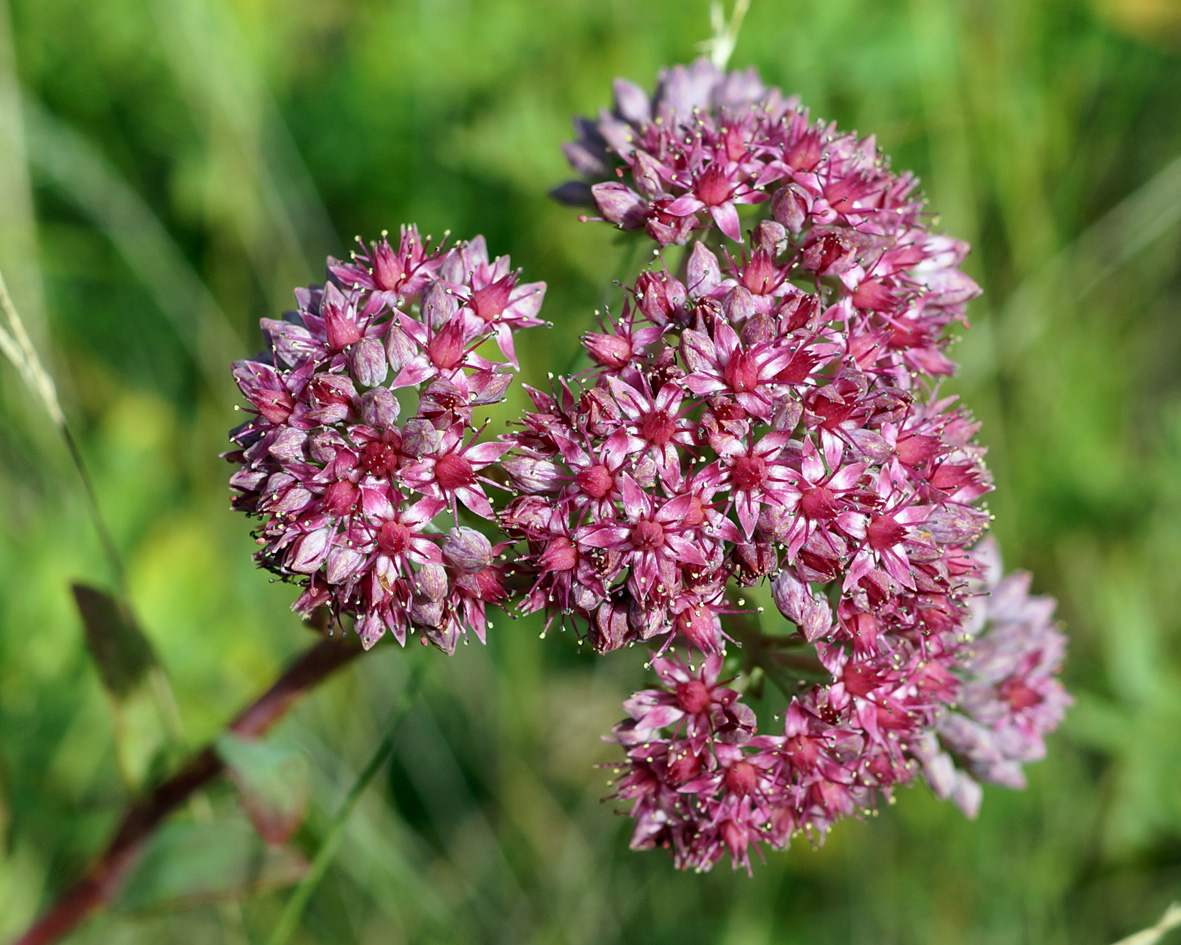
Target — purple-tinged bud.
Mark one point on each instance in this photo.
(323, 445)
(631, 101)
(738, 305)
(439, 304)
(420, 438)
(288, 445)
(379, 408)
(529, 513)
(611, 351)
(704, 273)
(759, 330)
(430, 583)
(427, 614)
(790, 207)
(488, 386)
(343, 564)
(797, 603)
(400, 348)
(310, 551)
(467, 549)
(533, 475)
(442, 636)
(611, 629)
(955, 524)
(620, 205)
(769, 238)
(368, 362)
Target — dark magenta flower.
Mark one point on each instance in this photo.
(778, 390)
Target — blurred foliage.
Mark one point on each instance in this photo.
(171, 169)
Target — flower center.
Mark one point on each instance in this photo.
(749, 472)
(657, 427)
(818, 503)
(648, 535)
(693, 696)
(595, 482)
(453, 472)
(884, 532)
(379, 458)
(393, 538)
(1019, 695)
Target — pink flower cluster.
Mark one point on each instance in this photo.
(703, 783)
(766, 411)
(1009, 659)
(763, 411)
(347, 489)
(768, 408)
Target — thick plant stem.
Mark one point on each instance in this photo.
(101, 881)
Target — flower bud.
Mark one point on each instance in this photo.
(438, 304)
(400, 348)
(368, 362)
(660, 297)
(790, 207)
(797, 603)
(430, 583)
(611, 351)
(620, 205)
(379, 408)
(610, 630)
(699, 625)
(738, 305)
(340, 325)
(467, 549)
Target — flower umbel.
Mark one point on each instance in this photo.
(355, 499)
(777, 384)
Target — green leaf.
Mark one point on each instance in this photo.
(126, 665)
(121, 652)
(187, 864)
(272, 782)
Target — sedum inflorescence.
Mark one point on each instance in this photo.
(764, 409)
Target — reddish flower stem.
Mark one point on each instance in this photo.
(101, 881)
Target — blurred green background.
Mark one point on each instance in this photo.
(171, 169)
